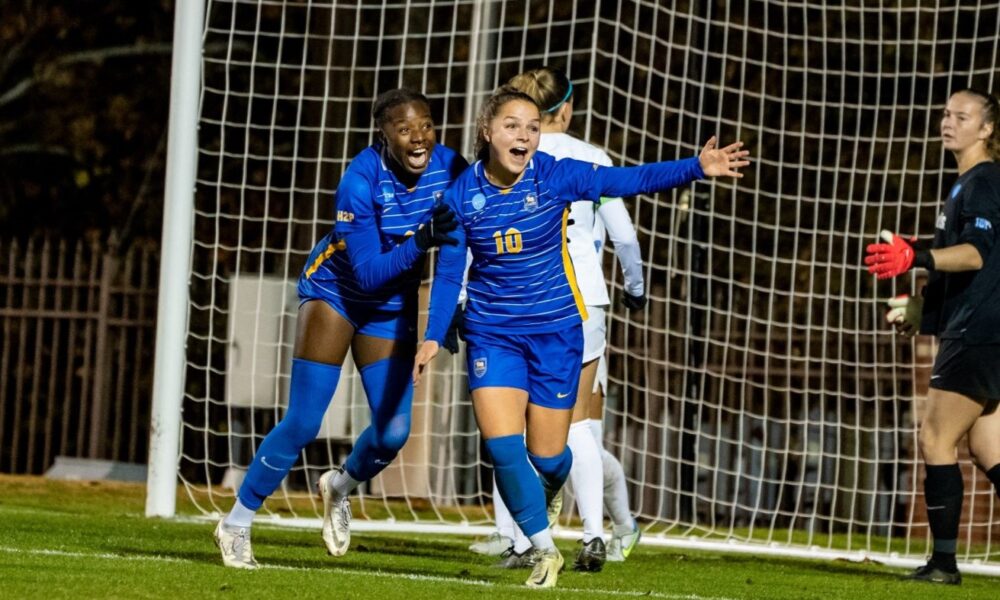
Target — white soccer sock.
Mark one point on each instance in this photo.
(597, 428)
(615, 491)
(521, 541)
(343, 484)
(505, 522)
(586, 477)
(239, 516)
(543, 540)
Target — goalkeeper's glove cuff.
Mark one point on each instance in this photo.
(924, 259)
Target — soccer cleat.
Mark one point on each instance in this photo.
(547, 568)
(591, 557)
(495, 545)
(336, 516)
(234, 542)
(931, 573)
(510, 559)
(622, 544)
(553, 506)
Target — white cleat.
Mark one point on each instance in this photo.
(495, 545)
(234, 542)
(622, 544)
(336, 516)
(548, 565)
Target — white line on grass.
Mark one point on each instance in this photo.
(407, 576)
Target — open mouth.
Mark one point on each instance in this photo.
(417, 159)
(519, 151)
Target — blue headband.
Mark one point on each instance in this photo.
(569, 93)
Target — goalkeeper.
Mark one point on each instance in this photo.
(358, 291)
(961, 306)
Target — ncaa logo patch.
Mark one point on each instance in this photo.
(479, 366)
(387, 192)
(478, 201)
(531, 203)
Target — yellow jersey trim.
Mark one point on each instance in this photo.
(330, 249)
(570, 271)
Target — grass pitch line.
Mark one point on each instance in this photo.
(381, 574)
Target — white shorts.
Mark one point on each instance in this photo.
(595, 334)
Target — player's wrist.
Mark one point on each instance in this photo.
(923, 259)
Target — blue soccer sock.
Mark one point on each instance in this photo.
(553, 470)
(519, 487)
(312, 387)
(389, 388)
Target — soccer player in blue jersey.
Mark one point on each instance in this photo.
(596, 477)
(961, 306)
(358, 291)
(524, 312)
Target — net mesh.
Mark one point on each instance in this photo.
(758, 397)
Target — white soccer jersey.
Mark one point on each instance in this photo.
(590, 220)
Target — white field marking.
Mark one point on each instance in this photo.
(406, 576)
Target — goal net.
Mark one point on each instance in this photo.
(758, 402)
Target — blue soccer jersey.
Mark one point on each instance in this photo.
(369, 259)
(521, 278)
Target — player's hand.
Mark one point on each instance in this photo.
(435, 232)
(891, 259)
(456, 331)
(428, 350)
(716, 162)
(633, 303)
(904, 313)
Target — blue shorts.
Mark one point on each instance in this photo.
(390, 325)
(546, 365)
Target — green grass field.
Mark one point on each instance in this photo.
(91, 540)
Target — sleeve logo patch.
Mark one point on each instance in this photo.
(344, 216)
(984, 224)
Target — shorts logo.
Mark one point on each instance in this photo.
(982, 223)
(479, 367)
(562, 394)
(478, 201)
(531, 203)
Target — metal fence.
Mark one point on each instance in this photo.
(76, 350)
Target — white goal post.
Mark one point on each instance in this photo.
(758, 403)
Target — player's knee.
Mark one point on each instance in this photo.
(934, 447)
(299, 430)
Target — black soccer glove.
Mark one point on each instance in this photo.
(633, 303)
(456, 330)
(435, 231)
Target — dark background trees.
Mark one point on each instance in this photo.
(84, 95)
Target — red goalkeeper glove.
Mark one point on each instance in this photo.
(891, 259)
